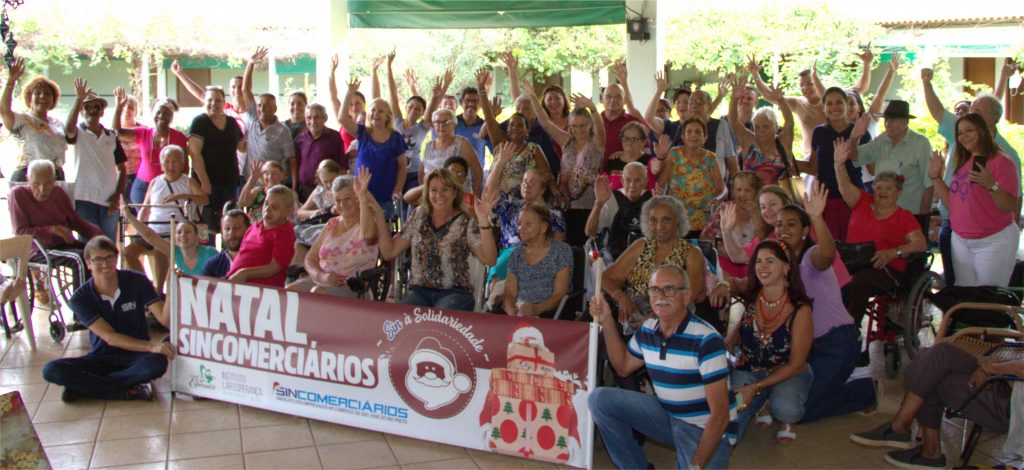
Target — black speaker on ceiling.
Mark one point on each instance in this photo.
(637, 28)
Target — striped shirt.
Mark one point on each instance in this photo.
(681, 365)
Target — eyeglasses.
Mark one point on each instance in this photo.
(443, 123)
(632, 140)
(103, 259)
(667, 291)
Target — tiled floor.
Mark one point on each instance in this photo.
(180, 434)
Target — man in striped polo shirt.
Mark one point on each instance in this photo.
(685, 358)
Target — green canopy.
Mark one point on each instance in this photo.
(442, 14)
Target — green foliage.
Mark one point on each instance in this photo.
(588, 48)
(715, 41)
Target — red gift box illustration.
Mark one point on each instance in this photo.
(529, 411)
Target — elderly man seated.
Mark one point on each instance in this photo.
(45, 212)
(619, 209)
(685, 358)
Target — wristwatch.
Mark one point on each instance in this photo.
(993, 188)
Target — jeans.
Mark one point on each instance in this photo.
(100, 216)
(833, 357)
(946, 249)
(787, 397)
(618, 412)
(444, 299)
(137, 193)
(107, 376)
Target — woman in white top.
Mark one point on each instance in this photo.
(39, 135)
(446, 145)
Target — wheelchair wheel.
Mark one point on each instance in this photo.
(892, 361)
(920, 317)
(57, 331)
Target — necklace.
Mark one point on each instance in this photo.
(771, 303)
(766, 322)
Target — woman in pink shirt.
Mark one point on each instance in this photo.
(150, 140)
(981, 198)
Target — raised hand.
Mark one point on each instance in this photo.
(927, 74)
(175, 67)
(334, 63)
(814, 67)
(255, 171)
(662, 147)
(505, 151)
(485, 205)
(510, 60)
(361, 183)
(775, 94)
(527, 88)
(867, 56)
(81, 88)
(723, 84)
(259, 55)
(449, 77)
(378, 61)
(496, 104)
(815, 200)
(981, 176)
(661, 82)
(120, 96)
(842, 151)
(353, 85)
(728, 212)
(391, 58)
(602, 189)
(410, 78)
(894, 63)
(936, 165)
(861, 126)
(752, 66)
(620, 71)
(482, 77)
(580, 101)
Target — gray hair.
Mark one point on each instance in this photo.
(678, 270)
(768, 113)
(450, 113)
(890, 176)
(282, 190)
(316, 107)
(167, 150)
(996, 107)
(673, 204)
(342, 182)
(637, 165)
(41, 164)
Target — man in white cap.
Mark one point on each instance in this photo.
(99, 161)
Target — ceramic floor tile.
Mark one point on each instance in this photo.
(205, 444)
(357, 455)
(276, 437)
(138, 466)
(204, 420)
(409, 451)
(142, 425)
(32, 392)
(222, 462)
(130, 451)
(59, 411)
(255, 417)
(67, 432)
(185, 404)
(276, 459)
(53, 392)
(454, 464)
(487, 460)
(330, 433)
(17, 359)
(160, 403)
(72, 457)
(21, 375)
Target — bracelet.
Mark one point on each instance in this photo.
(487, 227)
(725, 283)
(757, 388)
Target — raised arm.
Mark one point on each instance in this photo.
(120, 98)
(375, 78)
(850, 192)
(494, 132)
(503, 154)
(1009, 67)
(475, 170)
(622, 75)
(441, 85)
(816, 79)
(193, 88)
(755, 73)
(661, 86)
(486, 251)
(347, 121)
(867, 58)
(410, 79)
(159, 243)
(815, 201)
(786, 136)
(13, 74)
(935, 107)
(602, 193)
(71, 125)
(936, 168)
(743, 135)
(581, 101)
(396, 104)
(722, 86)
(560, 136)
(361, 186)
(332, 87)
(247, 196)
(257, 57)
(891, 69)
(512, 65)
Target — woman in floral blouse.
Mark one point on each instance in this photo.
(691, 174)
(442, 237)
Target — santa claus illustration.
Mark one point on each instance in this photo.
(433, 376)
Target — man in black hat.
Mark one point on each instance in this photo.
(901, 151)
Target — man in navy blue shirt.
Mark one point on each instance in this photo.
(113, 305)
(233, 226)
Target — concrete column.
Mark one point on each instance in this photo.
(161, 82)
(334, 38)
(643, 58)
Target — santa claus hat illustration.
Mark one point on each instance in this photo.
(525, 333)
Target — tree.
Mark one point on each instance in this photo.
(546, 416)
(561, 442)
(508, 408)
(496, 433)
(552, 51)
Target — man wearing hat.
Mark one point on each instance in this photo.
(99, 161)
(902, 151)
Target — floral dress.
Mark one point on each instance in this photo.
(345, 254)
(691, 182)
(512, 175)
(639, 278)
(580, 167)
(440, 256)
(760, 353)
(771, 168)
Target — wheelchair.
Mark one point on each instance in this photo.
(904, 318)
(64, 271)
(401, 273)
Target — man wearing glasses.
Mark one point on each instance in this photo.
(685, 359)
(113, 305)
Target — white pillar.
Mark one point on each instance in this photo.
(274, 82)
(161, 82)
(144, 83)
(334, 38)
(643, 58)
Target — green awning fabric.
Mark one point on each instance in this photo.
(449, 14)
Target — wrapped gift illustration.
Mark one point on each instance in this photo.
(529, 411)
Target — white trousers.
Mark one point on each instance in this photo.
(986, 261)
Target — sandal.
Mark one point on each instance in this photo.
(786, 434)
(764, 417)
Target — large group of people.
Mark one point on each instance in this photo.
(310, 202)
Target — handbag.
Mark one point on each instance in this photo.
(856, 256)
(792, 184)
